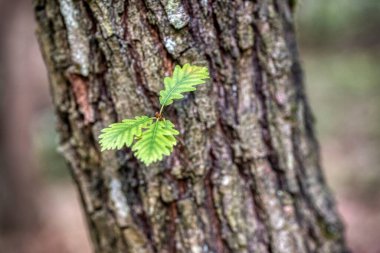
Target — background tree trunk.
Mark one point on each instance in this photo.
(245, 176)
(19, 184)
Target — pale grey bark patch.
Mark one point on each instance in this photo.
(176, 13)
(77, 38)
(118, 200)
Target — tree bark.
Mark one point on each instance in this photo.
(245, 175)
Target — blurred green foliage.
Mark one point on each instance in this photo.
(340, 85)
(340, 49)
(332, 23)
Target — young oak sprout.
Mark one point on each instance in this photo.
(153, 137)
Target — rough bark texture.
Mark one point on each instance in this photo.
(245, 176)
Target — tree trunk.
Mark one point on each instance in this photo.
(19, 186)
(245, 176)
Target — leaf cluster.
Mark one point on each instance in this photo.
(151, 138)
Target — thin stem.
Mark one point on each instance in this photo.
(162, 108)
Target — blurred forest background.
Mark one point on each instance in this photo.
(340, 50)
